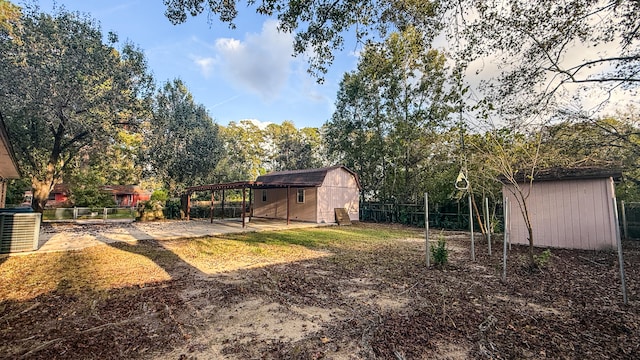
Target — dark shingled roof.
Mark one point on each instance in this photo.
(301, 178)
(551, 174)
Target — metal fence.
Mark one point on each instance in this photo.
(83, 213)
(629, 219)
(452, 217)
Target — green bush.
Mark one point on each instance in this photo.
(542, 260)
(439, 253)
(160, 195)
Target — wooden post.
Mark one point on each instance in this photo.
(222, 203)
(250, 203)
(188, 206)
(211, 208)
(426, 227)
(244, 195)
(288, 221)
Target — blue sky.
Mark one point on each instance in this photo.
(244, 73)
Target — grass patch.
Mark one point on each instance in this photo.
(124, 264)
(94, 269)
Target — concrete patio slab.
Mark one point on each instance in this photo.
(80, 235)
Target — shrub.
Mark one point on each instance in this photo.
(439, 253)
(149, 211)
(542, 260)
(160, 195)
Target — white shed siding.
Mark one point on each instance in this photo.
(574, 214)
(339, 190)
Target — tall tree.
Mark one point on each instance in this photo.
(64, 90)
(293, 148)
(245, 152)
(390, 112)
(183, 144)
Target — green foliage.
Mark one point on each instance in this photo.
(65, 92)
(173, 209)
(86, 190)
(391, 117)
(160, 195)
(319, 25)
(542, 260)
(92, 197)
(440, 253)
(182, 144)
(16, 189)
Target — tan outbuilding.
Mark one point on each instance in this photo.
(307, 195)
(569, 208)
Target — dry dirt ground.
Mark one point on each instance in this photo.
(365, 302)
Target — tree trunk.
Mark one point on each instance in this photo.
(42, 189)
(527, 221)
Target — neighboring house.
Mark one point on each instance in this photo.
(8, 164)
(569, 208)
(123, 195)
(59, 196)
(127, 195)
(307, 195)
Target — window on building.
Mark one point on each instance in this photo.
(264, 195)
(301, 195)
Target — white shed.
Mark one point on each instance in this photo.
(569, 208)
(307, 195)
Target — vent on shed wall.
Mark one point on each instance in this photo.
(19, 232)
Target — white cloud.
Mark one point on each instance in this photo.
(205, 64)
(260, 63)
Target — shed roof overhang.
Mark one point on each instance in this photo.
(557, 174)
(238, 185)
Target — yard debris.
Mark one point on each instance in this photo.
(369, 300)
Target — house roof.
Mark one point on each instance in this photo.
(8, 164)
(124, 189)
(301, 178)
(115, 189)
(557, 173)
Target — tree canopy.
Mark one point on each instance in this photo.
(64, 90)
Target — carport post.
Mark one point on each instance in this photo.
(244, 199)
(426, 227)
(211, 209)
(288, 205)
(222, 203)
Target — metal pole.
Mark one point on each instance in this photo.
(473, 244)
(426, 227)
(506, 237)
(625, 226)
(487, 222)
(620, 257)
